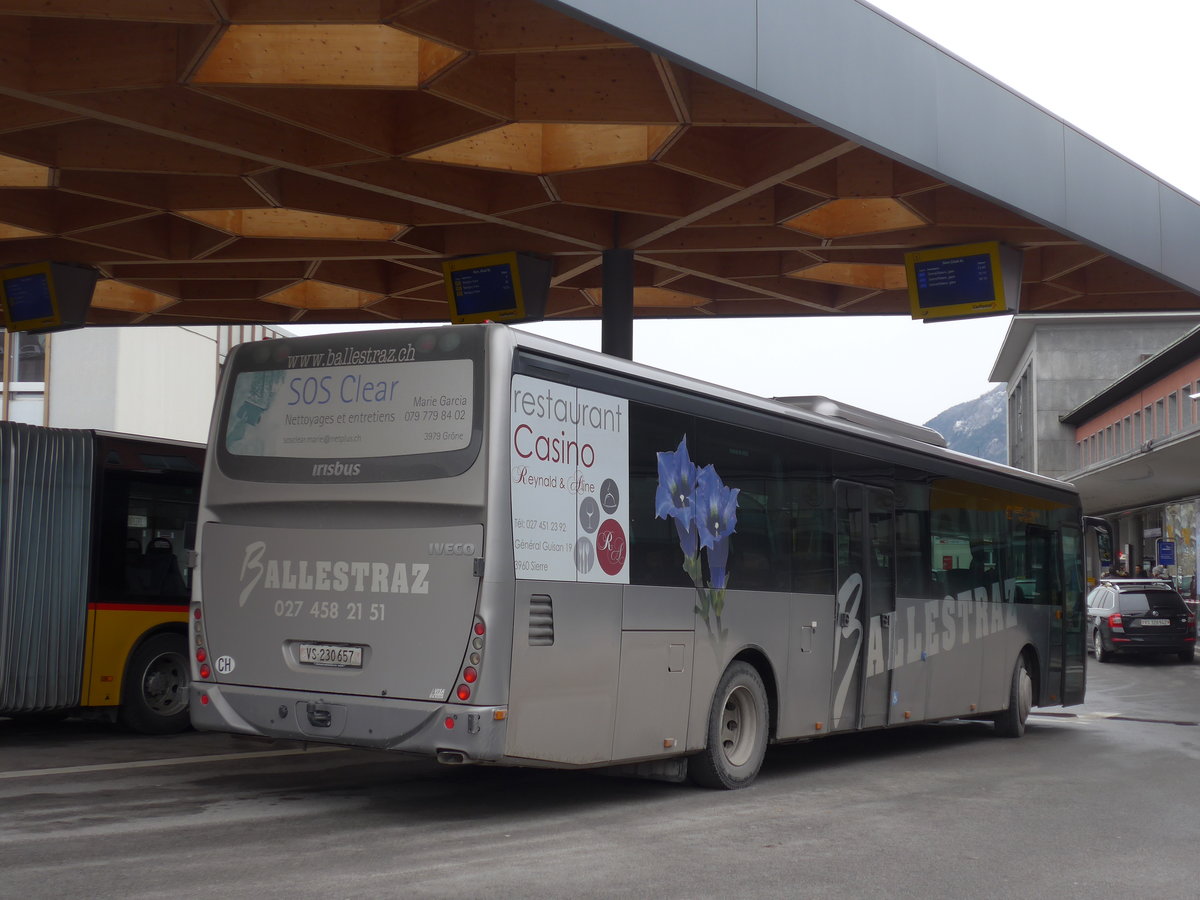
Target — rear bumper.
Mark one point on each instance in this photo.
(410, 726)
(1150, 644)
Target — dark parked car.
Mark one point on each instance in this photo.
(1139, 616)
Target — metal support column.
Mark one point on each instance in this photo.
(616, 323)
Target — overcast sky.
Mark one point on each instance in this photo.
(1123, 73)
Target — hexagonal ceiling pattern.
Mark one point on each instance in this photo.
(315, 161)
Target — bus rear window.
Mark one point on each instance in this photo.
(310, 409)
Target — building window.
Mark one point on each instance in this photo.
(1137, 430)
(1172, 413)
(1160, 419)
(27, 354)
(1130, 441)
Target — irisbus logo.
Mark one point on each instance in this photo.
(336, 469)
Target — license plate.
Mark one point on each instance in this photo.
(331, 655)
(1154, 621)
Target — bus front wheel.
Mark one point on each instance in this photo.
(737, 731)
(154, 698)
(1011, 722)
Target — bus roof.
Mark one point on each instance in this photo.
(829, 415)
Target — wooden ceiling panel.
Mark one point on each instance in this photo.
(212, 122)
(201, 271)
(181, 11)
(645, 189)
(398, 309)
(378, 276)
(89, 55)
(592, 86)
(516, 26)
(63, 249)
(338, 12)
(100, 146)
(484, 84)
(17, 115)
(712, 103)
(209, 153)
(215, 311)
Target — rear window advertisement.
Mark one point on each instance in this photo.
(570, 483)
(354, 411)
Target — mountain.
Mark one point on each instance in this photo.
(978, 427)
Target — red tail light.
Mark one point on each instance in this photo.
(1114, 622)
(468, 673)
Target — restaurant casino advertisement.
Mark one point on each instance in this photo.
(570, 483)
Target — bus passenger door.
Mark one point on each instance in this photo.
(865, 606)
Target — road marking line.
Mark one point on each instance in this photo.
(154, 763)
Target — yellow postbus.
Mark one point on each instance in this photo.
(97, 532)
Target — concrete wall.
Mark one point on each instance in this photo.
(158, 382)
(1071, 363)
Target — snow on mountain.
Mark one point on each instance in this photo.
(978, 427)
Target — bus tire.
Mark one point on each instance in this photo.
(1011, 722)
(738, 721)
(154, 697)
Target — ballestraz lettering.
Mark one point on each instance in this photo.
(330, 575)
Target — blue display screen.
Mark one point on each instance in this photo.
(960, 279)
(28, 298)
(487, 289)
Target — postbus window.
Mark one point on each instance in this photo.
(148, 526)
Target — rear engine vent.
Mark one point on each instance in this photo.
(541, 621)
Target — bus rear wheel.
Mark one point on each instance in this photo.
(154, 698)
(1011, 722)
(738, 721)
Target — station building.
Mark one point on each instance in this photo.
(1112, 404)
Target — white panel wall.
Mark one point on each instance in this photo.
(82, 371)
(158, 382)
(166, 382)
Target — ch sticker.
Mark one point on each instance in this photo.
(223, 664)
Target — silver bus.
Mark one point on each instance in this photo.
(483, 546)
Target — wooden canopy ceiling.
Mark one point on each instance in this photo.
(315, 160)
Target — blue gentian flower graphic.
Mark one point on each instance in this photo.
(705, 514)
(716, 520)
(675, 497)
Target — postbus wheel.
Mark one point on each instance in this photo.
(1011, 722)
(737, 731)
(154, 698)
